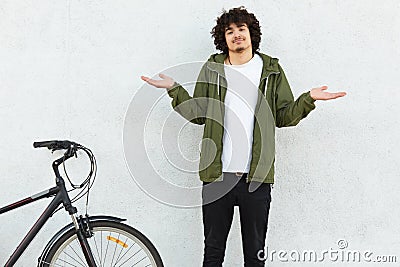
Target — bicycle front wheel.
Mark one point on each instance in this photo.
(112, 244)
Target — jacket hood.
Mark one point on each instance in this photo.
(216, 63)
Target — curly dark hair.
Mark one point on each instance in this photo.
(236, 15)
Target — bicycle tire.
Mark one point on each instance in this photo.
(128, 247)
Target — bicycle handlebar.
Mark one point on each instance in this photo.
(71, 151)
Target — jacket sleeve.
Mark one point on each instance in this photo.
(288, 111)
(191, 108)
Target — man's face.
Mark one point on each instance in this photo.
(237, 37)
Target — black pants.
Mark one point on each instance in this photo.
(218, 215)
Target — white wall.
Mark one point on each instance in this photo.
(68, 70)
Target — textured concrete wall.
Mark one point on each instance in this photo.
(68, 70)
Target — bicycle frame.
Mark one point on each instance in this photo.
(60, 195)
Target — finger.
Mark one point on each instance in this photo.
(340, 94)
(336, 95)
(163, 76)
(144, 78)
(321, 88)
(152, 82)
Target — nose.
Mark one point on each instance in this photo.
(236, 34)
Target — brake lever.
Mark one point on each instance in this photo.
(53, 149)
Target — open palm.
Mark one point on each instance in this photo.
(165, 82)
(319, 93)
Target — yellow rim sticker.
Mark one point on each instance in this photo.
(119, 242)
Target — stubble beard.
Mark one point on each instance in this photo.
(239, 49)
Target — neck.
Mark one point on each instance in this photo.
(239, 58)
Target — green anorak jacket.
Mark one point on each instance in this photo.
(275, 107)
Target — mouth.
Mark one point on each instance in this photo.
(238, 41)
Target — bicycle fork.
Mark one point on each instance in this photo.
(83, 232)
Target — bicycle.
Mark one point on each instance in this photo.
(92, 241)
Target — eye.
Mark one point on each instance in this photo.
(229, 33)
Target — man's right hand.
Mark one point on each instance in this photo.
(166, 82)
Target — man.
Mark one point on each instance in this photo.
(240, 96)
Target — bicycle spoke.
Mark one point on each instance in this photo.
(76, 255)
(115, 249)
(105, 254)
(125, 254)
(101, 248)
(122, 248)
(139, 261)
(55, 264)
(97, 249)
(66, 262)
(131, 257)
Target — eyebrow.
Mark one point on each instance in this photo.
(238, 25)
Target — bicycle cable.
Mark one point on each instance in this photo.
(87, 184)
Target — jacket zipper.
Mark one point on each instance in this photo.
(218, 90)
(265, 78)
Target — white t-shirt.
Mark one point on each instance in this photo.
(240, 102)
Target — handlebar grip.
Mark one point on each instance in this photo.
(55, 144)
(43, 144)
